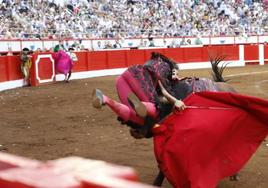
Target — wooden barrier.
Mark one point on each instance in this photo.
(43, 69)
(265, 55)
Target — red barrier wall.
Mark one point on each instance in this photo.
(266, 53)
(100, 60)
(251, 53)
(9, 68)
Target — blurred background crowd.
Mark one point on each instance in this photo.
(52, 19)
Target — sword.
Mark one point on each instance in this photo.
(208, 107)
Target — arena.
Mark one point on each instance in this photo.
(57, 120)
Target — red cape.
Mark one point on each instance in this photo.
(199, 146)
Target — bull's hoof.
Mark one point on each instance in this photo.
(234, 177)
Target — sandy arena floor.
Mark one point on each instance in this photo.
(57, 120)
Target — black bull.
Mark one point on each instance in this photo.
(145, 131)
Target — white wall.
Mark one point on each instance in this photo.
(17, 45)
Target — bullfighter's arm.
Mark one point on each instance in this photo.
(177, 103)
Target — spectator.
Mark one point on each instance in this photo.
(117, 44)
(143, 43)
(108, 45)
(72, 54)
(38, 50)
(9, 52)
(198, 41)
(59, 46)
(98, 46)
(174, 44)
(188, 42)
(183, 42)
(151, 43)
(165, 44)
(76, 19)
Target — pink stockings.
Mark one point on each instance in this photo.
(125, 85)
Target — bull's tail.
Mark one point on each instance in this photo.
(217, 70)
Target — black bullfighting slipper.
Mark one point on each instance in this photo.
(97, 98)
(137, 105)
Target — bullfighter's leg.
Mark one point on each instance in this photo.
(143, 109)
(128, 88)
(125, 112)
(68, 76)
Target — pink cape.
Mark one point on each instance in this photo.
(63, 62)
(200, 146)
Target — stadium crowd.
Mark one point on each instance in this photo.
(48, 19)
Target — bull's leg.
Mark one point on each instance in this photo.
(234, 177)
(158, 181)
